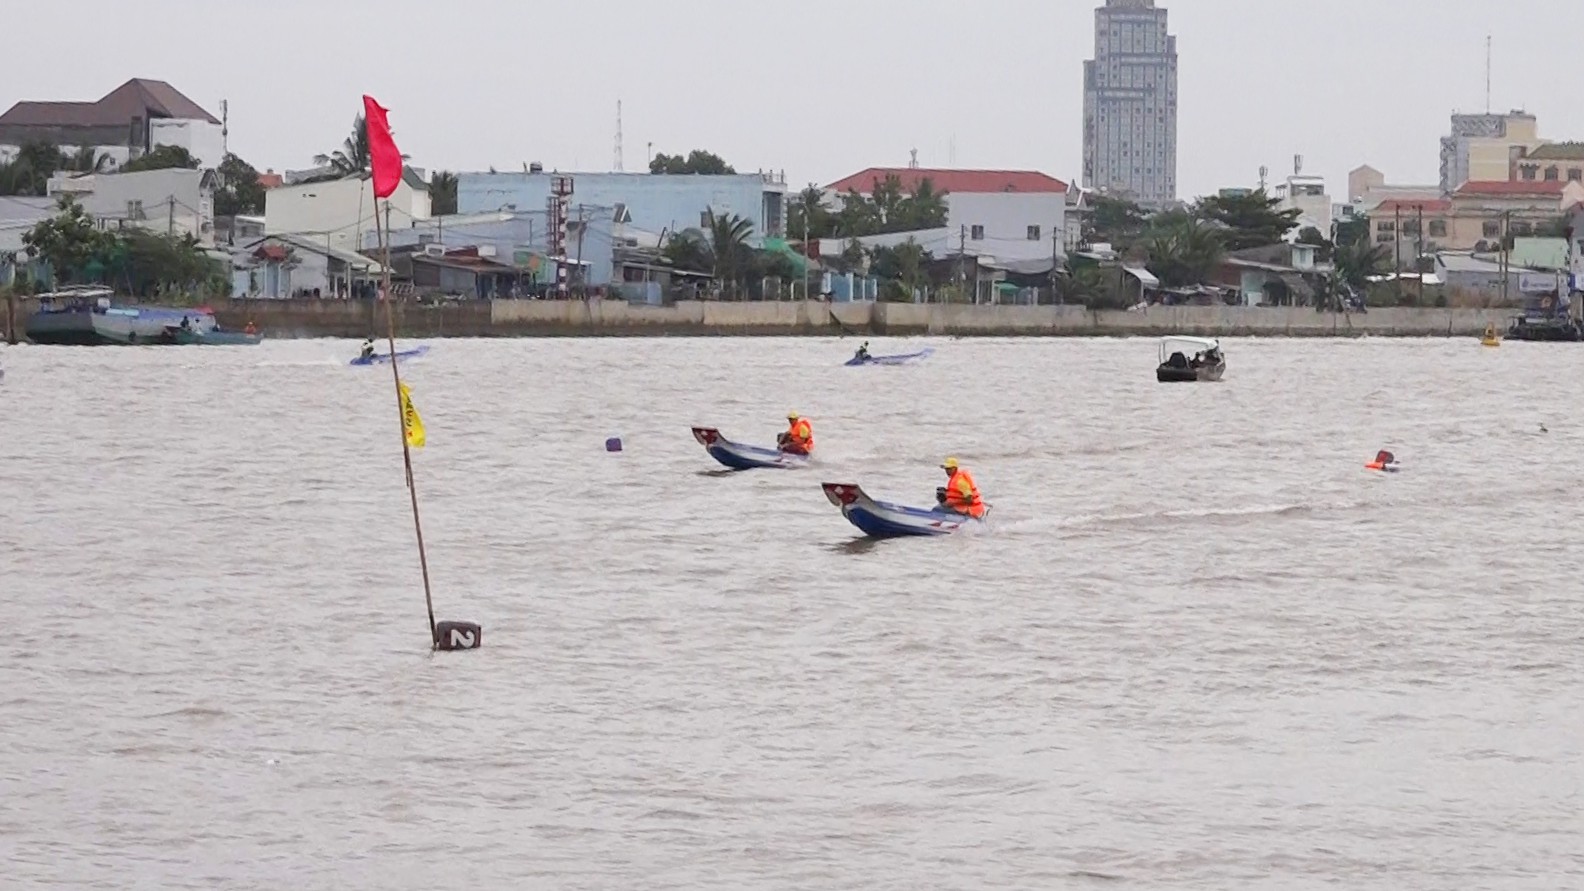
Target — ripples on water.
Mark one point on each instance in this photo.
(1201, 647)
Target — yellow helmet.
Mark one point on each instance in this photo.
(951, 464)
(792, 416)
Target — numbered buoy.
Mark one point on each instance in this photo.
(614, 444)
(458, 636)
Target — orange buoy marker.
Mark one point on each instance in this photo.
(1384, 462)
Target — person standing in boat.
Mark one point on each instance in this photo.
(368, 348)
(960, 493)
(863, 352)
(799, 437)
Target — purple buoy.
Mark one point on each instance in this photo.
(613, 444)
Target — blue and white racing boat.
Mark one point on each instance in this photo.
(900, 359)
(744, 457)
(378, 358)
(880, 519)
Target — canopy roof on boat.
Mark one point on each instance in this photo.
(1184, 344)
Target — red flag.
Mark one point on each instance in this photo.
(383, 154)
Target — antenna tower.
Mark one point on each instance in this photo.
(1487, 74)
(225, 128)
(618, 137)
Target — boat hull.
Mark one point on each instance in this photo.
(215, 338)
(737, 456)
(881, 519)
(902, 359)
(381, 358)
(118, 325)
(1552, 330)
(1173, 374)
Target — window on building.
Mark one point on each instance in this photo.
(1575, 175)
(704, 219)
(1387, 226)
(1519, 227)
(976, 233)
(1033, 233)
(1385, 238)
(1552, 174)
(1438, 229)
(1529, 173)
(1410, 227)
(1492, 229)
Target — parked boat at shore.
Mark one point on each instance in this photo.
(1545, 318)
(88, 316)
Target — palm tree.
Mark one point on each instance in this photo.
(353, 155)
(728, 245)
(443, 193)
(86, 160)
(687, 251)
(1356, 263)
(1182, 251)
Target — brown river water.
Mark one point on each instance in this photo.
(1199, 646)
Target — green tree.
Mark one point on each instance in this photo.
(1114, 221)
(1323, 247)
(239, 191)
(904, 264)
(87, 160)
(163, 157)
(697, 162)
(1351, 231)
(1251, 219)
(443, 193)
(808, 210)
(70, 242)
(353, 155)
(154, 263)
(858, 216)
(1088, 285)
(727, 240)
(1357, 262)
(687, 251)
(28, 173)
(1182, 250)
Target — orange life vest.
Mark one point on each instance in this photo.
(962, 495)
(800, 437)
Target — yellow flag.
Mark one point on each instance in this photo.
(412, 425)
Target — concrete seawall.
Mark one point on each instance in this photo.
(575, 318)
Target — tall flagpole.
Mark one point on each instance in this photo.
(382, 227)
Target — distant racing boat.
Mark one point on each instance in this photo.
(379, 358)
(900, 359)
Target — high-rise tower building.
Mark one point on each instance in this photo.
(1130, 104)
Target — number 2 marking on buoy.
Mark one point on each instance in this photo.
(461, 640)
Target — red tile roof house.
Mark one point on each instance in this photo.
(128, 121)
(1486, 210)
(1009, 214)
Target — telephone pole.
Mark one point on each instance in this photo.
(1397, 251)
(170, 216)
(962, 260)
(1419, 253)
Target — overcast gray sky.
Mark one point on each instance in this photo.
(818, 88)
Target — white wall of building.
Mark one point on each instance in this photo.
(339, 210)
(201, 139)
(175, 201)
(1002, 221)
